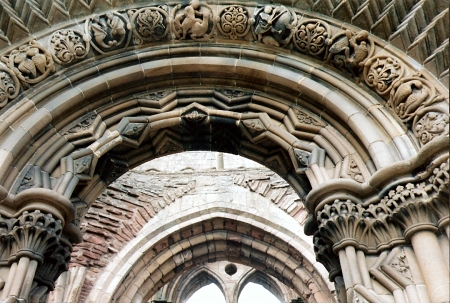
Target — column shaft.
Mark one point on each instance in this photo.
(432, 265)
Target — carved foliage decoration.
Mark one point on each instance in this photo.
(349, 51)
(305, 118)
(108, 32)
(381, 72)
(195, 118)
(194, 21)
(311, 37)
(9, 86)
(34, 234)
(31, 63)
(68, 46)
(84, 124)
(430, 126)
(149, 24)
(234, 22)
(274, 25)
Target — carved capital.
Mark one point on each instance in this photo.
(34, 234)
(325, 255)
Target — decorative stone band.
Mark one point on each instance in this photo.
(372, 225)
(412, 96)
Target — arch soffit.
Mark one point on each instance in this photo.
(215, 230)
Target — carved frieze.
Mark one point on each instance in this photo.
(234, 21)
(380, 73)
(9, 86)
(67, 46)
(274, 25)
(149, 24)
(311, 37)
(31, 63)
(108, 32)
(349, 51)
(193, 21)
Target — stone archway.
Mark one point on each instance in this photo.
(363, 136)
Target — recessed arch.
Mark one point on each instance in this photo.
(260, 278)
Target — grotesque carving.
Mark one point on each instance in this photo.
(149, 24)
(68, 45)
(274, 25)
(254, 126)
(195, 20)
(354, 172)
(108, 32)
(302, 157)
(431, 125)
(311, 37)
(31, 63)
(9, 86)
(134, 130)
(83, 165)
(234, 21)
(381, 73)
(195, 117)
(349, 51)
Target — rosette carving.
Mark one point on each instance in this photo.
(193, 21)
(234, 22)
(9, 86)
(68, 46)
(349, 51)
(381, 73)
(31, 63)
(274, 25)
(149, 24)
(430, 126)
(311, 37)
(108, 32)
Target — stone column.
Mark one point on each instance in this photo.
(36, 244)
(420, 227)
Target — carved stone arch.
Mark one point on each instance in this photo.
(219, 236)
(190, 282)
(260, 278)
(373, 76)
